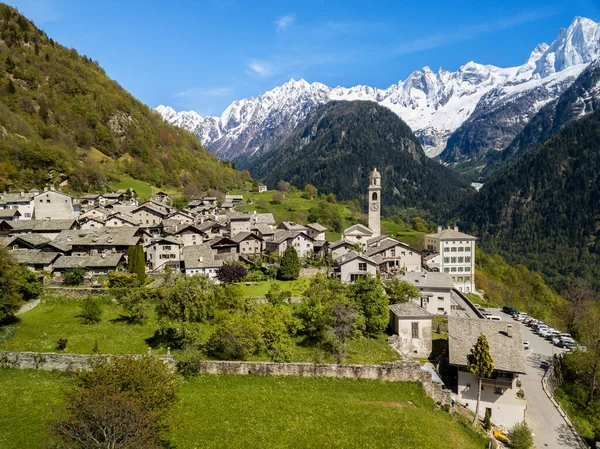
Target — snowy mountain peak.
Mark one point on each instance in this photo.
(433, 104)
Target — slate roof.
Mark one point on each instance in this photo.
(317, 227)
(29, 239)
(34, 256)
(106, 236)
(358, 227)
(264, 229)
(110, 260)
(451, 234)
(351, 255)
(266, 218)
(342, 242)
(199, 256)
(41, 225)
(383, 247)
(168, 239)
(153, 207)
(243, 236)
(428, 279)
(239, 216)
(281, 236)
(507, 352)
(291, 226)
(409, 310)
(9, 213)
(26, 197)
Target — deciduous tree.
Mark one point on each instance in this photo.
(480, 363)
(401, 291)
(369, 296)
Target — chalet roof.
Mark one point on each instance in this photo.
(378, 239)
(409, 310)
(388, 244)
(342, 242)
(60, 247)
(199, 256)
(110, 260)
(291, 226)
(106, 236)
(317, 227)
(125, 217)
(152, 207)
(428, 279)
(20, 197)
(239, 216)
(41, 225)
(281, 236)
(9, 213)
(507, 352)
(112, 196)
(264, 229)
(266, 218)
(320, 244)
(358, 227)
(97, 219)
(190, 228)
(168, 239)
(90, 196)
(451, 234)
(352, 255)
(34, 256)
(240, 237)
(32, 240)
(430, 256)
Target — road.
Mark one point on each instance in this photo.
(550, 429)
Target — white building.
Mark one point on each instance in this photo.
(298, 239)
(394, 256)
(352, 265)
(53, 205)
(162, 253)
(316, 231)
(358, 235)
(501, 394)
(22, 201)
(200, 259)
(413, 326)
(456, 256)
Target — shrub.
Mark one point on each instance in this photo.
(487, 423)
(236, 337)
(61, 344)
(122, 280)
(91, 312)
(230, 273)
(521, 436)
(74, 276)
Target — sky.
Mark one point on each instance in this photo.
(202, 55)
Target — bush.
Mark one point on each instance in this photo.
(61, 344)
(230, 273)
(236, 337)
(487, 423)
(91, 312)
(122, 280)
(74, 276)
(521, 436)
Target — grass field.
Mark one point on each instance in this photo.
(259, 412)
(259, 289)
(144, 191)
(40, 329)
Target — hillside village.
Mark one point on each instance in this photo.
(52, 232)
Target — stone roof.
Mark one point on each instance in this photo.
(243, 236)
(106, 236)
(34, 256)
(409, 310)
(378, 239)
(153, 207)
(21, 197)
(168, 239)
(430, 256)
(291, 226)
(383, 247)
(8, 213)
(125, 217)
(110, 260)
(451, 234)
(507, 352)
(30, 239)
(351, 255)
(358, 227)
(41, 225)
(428, 279)
(317, 227)
(199, 256)
(266, 218)
(264, 229)
(281, 236)
(338, 243)
(239, 216)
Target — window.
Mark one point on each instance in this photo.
(362, 266)
(446, 260)
(460, 269)
(498, 390)
(461, 260)
(440, 310)
(440, 298)
(393, 253)
(460, 279)
(453, 279)
(453, 249)
(453, 269)
(354, 277)
(468, 259)
(166, 248)
(374, 196)
(453, 259)
(467, 278)
(446, 270)
(468, 269)
(415, 329)
(460, 249)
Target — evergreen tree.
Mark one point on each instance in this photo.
(480, 363)
(521, 436)
(137, 262)
(289, 268)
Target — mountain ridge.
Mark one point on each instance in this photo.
(434, 104)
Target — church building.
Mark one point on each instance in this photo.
(375, 203)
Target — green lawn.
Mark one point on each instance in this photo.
(39, 329)
(259, 289)
(259, 412)
(144, 190)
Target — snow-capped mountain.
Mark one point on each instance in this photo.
(441, 107)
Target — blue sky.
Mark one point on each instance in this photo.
(202, 55)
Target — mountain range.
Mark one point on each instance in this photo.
(460, 116)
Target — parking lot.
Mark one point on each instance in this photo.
(548, 426)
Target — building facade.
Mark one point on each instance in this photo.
(375, 203)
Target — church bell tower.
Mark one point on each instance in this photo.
(375, 203)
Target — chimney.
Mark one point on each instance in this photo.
(509, 330)
(439, 229)
(22, 194)
(456, 228)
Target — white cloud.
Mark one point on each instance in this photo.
(260, 68)
(202, 92)
(284, 22)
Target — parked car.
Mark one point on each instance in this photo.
(481, 309)
(493, 318)
(486, 313)
(526, 344)
(509, 310)
(532, 322)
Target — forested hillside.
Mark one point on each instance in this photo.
(337, 147)
(543, 210)
(62, 118)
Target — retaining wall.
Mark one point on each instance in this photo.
(402, 371)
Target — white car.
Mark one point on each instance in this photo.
(526, 344)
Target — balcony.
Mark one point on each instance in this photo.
(497, 383)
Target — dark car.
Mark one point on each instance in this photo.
(509, 310)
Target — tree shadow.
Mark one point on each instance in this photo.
(165, 338)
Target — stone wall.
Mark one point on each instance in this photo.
(308, 272)
(76, 292)
(402, 371)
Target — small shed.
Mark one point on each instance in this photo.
(413, 325)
